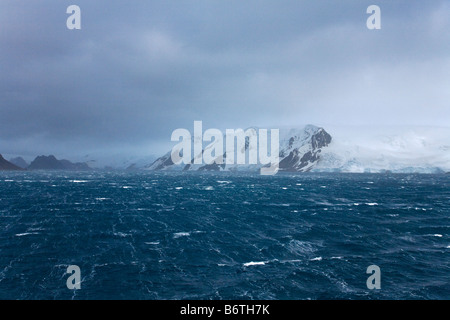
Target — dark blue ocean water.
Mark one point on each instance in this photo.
(224, 236)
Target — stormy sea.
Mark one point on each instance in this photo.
(147, 235)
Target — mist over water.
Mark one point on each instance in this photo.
(156, 235)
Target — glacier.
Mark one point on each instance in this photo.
(377, 149)
(352, 149)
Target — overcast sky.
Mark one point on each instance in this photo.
(137, 70)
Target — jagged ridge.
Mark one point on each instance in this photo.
(51, 163)
(299, 152)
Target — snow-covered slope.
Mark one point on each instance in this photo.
(300, 150)
(163, 163)
(381, 149)
(398, 149)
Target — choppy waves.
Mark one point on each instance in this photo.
(223, 236)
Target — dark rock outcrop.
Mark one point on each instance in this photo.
(8, 166)
(301, 160)
(51, 163)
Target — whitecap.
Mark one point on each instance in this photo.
(101, 199)
(178, 188)
(437, 235)
(223, 181)
(181, 234)
(316, 259)
(25, 234)
(121, 234)
(291, 261)
(126, 187)
(209, 188)
(79, 181)
(152, 243)
(371, 203)
(253, 263)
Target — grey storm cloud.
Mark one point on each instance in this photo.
(137, 70)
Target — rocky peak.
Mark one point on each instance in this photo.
(7, 166)
(299, 152)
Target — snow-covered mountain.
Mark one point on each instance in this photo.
(300, 150)
(164, 163)
(398, 149)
